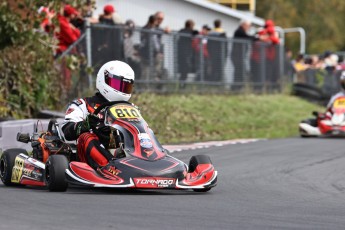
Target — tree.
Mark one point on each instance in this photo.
(322, 20)
(29, 79)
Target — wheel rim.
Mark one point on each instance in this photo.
(2, 168)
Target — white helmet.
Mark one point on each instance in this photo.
(115, 80)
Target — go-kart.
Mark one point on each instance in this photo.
(331, 123)
(146, 164)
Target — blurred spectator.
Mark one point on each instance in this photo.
(239, 50)
(107, 17)
(110, 42)
(159, 51)
(184, 49)
(300, 66)
(218, 27)
(331, 61)
(269, 36)
(130, 50)
(78, 21)
(341, 63)
(197, 43)
(217, 47)
(160, 17)
(68, 34)
(148, 47)
(288, 66)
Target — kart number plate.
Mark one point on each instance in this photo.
(17, 170)
(339, 103)
(125, 112)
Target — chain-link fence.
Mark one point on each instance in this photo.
(178, 62)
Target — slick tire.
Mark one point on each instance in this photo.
(194, 162)
(54, 175)
(7, 161)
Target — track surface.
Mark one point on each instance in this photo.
(274, 184)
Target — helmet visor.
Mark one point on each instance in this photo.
(119, 83)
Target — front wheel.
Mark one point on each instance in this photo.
(194, 162)
(7, 161)
(55, 178)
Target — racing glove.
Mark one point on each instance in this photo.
(91, 122)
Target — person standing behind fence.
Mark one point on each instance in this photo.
(239, 52)
(270, 36)
(159, 51)
(111, 47)
(147, 46)
(199, 43)
(67, 33)
(66, 36)
(218, 51)
(131, 53)
(185, 51)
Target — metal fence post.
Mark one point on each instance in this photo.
(88, 53)
(201, 66)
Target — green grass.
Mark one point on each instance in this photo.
(189, 118)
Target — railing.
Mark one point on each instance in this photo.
(177, 62)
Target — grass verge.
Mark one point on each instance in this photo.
(191, 118)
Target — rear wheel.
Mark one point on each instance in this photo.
(55, 178)
(7, 161)
(194, 162)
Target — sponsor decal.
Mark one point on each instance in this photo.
(17, 170)
(125, 112)
(69, 110)
(148, 182)
(27, 172)
(148, 152)
(36, 163)
(114, 170)
(145, 140)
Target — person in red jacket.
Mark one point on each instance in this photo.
(68, 34)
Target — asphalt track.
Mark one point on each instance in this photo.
(274, 184)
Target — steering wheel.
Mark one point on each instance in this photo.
(52, 127)
(106, 104)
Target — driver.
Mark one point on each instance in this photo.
(328, 113)
(114, 82)
(341, 93)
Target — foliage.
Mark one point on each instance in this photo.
(29, 77)
(322, 19)
(190, 118)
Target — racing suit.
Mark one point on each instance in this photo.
(91, 145)
(328, 113)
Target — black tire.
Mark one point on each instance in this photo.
(7, 160)
(194, 162)
(54, 175)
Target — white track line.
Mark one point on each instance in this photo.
(204, 145)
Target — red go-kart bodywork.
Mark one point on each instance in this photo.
(147, 164)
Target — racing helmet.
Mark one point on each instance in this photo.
(342, 80)
(115, 80)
